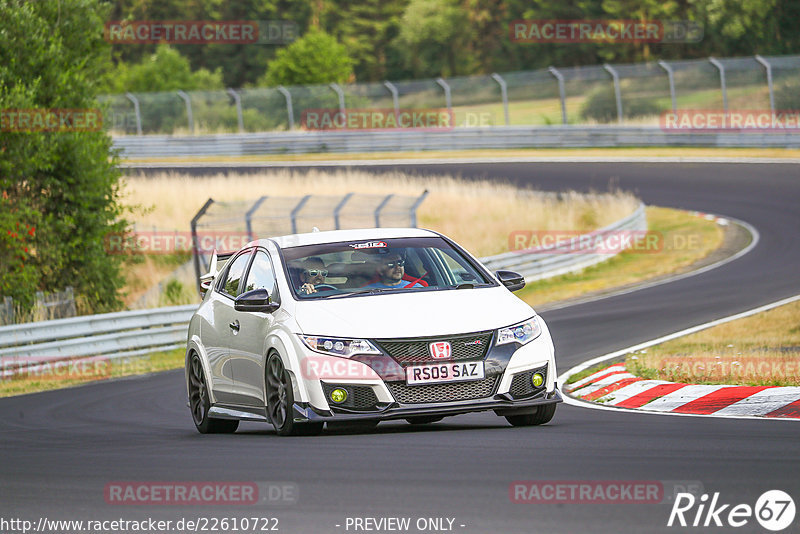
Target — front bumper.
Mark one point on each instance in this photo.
(502, 404)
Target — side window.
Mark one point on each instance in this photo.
(262, 276)
(459, 268)
(235, 273)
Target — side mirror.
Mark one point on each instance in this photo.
(256, 300)
(513, 281)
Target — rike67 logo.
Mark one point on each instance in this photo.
(774, 510)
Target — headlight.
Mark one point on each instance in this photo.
(519, 333)
(336, 346)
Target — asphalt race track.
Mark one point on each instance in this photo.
(58, 450)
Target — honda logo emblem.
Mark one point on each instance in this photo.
(440, 350)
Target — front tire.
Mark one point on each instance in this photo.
(199, 403)
(280, 401)
(543, 414)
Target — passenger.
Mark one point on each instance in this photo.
(390, 270)
(313, 274)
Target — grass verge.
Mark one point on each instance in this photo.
(684, 238)
(760, 350)
(586, 372)
(62, 375)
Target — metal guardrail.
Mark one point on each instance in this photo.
(135, 333)
(113, 335)
(552, 261)
(458, 139)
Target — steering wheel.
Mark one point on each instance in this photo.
(326, 287)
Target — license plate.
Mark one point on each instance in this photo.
(444, 372)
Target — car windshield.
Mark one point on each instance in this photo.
(333, 270)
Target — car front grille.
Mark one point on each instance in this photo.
(521, 386)
(358, 397)
(429, 393)
(416, 350)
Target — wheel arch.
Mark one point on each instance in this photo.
(194, 346)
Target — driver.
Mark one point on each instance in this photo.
(390, 269)
(313, 274)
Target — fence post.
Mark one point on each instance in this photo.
(296, 210)
(769, 81)
(722, 84)
(338, 209)
(561, 92)
(238, 100)
(289, 111)
(380, 208)
(39, 308)
(447, 100)
(671, 78)
(8, 304)
(136, 111)
(71, 310)
(414, 206)
(196, 244)
(189, 116)
(504, 92)
(395, 99)
(248, 217)
(617, 91)
(338, 90)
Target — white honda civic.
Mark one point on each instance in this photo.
(360, 326)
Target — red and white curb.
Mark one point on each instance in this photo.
(614, 386)
(722, 221)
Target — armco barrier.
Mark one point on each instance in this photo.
(294, 142)
(113, 335)
(135, 333)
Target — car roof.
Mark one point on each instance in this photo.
(335, 236)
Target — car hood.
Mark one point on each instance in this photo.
(412, 314)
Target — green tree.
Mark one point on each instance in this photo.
(367, 28)
(165, 70)
(314, 58)
(433, 38)
(241, 64)
(64, 185)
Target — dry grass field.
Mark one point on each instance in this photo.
(480, 215)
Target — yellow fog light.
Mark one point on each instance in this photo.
(537, 380)
(339, 395)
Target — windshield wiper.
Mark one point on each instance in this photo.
(464, 286)
(372, 290)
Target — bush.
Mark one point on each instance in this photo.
(313, 59)
(165, 70)
(601, 106)
(62, 186)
